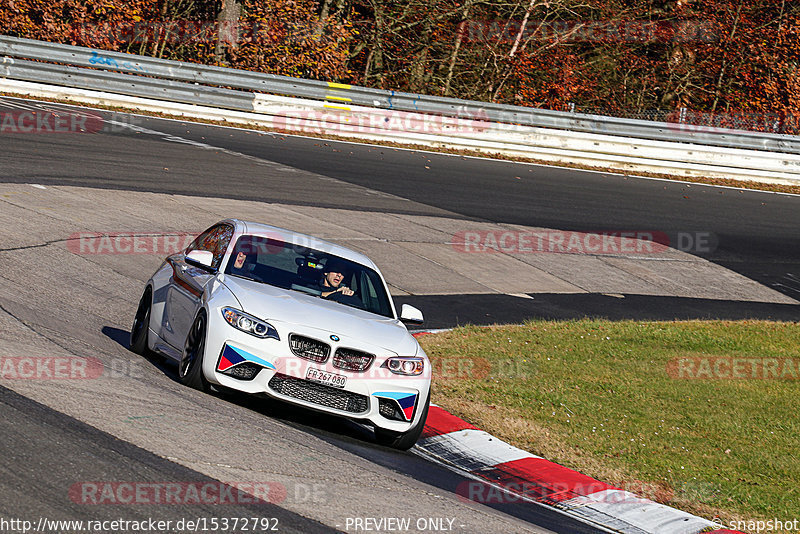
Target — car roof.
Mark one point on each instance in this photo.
(289, 236)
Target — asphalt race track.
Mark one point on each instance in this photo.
(752, 233)
(134, 422)
(32, 431)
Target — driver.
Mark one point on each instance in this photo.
(333, 274)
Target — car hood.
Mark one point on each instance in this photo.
(293, 307)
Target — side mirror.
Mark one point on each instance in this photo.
(202, 259)
(410, 315)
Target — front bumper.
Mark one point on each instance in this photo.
(386, 400)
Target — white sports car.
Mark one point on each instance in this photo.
(264, 310)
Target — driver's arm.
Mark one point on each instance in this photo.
(344, 290)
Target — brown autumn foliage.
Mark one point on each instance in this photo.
(728, 62)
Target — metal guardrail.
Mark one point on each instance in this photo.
(148, 70)
(126, 84)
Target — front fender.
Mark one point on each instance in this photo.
(215, 297)
(158, 283)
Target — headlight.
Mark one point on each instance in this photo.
(405, 365)
(248, 323)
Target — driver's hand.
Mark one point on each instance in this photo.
(346, 291)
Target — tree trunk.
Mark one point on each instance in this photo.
(522, 29)
(228, 32)
(376, 65)
(319, 27)
(416, 81)
(721, 78)
(456, 46)
(160, 29)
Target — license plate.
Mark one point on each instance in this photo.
(329, 379)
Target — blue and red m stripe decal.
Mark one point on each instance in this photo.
(232, 356)
(407, 401)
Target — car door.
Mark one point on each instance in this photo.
(186, 286)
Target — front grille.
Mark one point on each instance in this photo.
(308, 348)
(319, 394)
(352, 360)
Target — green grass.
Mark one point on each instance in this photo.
(596, 396)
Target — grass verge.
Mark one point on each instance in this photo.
(615, 400)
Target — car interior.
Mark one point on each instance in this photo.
(280, 264)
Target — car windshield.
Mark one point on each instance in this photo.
(300, 268)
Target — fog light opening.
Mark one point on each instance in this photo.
(389, 409)
(243, 371)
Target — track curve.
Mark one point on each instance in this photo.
(132, 176)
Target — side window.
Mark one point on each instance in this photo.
(368, 294)
(214, 240)
(198, 241)
(224, 236)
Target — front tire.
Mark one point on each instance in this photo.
(190, 368)
(403, 440)
(141, 324)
